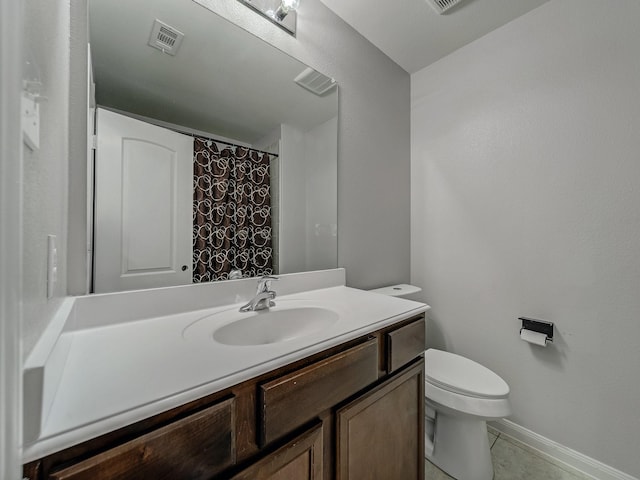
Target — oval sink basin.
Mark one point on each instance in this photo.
(275, 325)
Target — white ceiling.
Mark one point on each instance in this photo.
(413, 35)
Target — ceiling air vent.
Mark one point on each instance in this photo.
(314, 81)
(442, 6)
(165, 38)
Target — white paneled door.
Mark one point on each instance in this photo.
(143, 205)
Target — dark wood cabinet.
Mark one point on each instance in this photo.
(404, 343)
(195, 447)
(299, 459)
(379, 435)
(291, 400)
(354, 411)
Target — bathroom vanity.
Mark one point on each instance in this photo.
(346, 402)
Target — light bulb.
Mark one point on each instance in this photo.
(285, 7)
(290, 4)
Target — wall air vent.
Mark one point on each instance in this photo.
(441, 6)
(315, 81)
(165, 38)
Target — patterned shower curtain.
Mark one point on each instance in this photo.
(231, 211)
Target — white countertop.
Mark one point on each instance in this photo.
(117, 374)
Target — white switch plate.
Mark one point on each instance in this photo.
(52, 265)
(30, 121)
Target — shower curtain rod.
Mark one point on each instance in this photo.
(179, 128)
(191, 134)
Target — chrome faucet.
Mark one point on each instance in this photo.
(264, 296)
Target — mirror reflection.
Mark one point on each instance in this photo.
(216, 153)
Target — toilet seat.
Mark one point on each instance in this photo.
(460, 375)
(455, 404)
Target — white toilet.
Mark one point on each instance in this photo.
(460, 396)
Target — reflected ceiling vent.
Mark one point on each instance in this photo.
(442, 6)
(315, 81)
(165, 38)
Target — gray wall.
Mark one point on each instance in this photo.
(373, 150)
(46, 39)
(525, 200)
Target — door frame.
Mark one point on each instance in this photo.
(91, 164)
(11, 18)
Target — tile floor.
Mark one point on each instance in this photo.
(515, 461)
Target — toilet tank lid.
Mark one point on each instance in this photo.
(462, 375)
(398, 290)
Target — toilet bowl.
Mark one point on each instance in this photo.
(460, 396)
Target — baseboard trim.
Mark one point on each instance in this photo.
(557, 453)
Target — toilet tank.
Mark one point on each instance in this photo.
(400, 290)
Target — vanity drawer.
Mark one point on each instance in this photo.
(295, 398)
(404, 344)
(195, 447)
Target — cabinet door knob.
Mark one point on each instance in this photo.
(184, 267)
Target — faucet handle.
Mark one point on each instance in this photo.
(235, 274)
(265, 283)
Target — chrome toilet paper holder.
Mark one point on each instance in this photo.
(540, 326)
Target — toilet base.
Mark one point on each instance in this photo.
(461, 447)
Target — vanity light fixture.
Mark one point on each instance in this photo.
(279, 12)
(285, 7)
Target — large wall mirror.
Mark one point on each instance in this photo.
(216, 153)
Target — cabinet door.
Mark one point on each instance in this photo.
(381, 434)
(300, 459)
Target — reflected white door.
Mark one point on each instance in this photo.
(143, 205)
